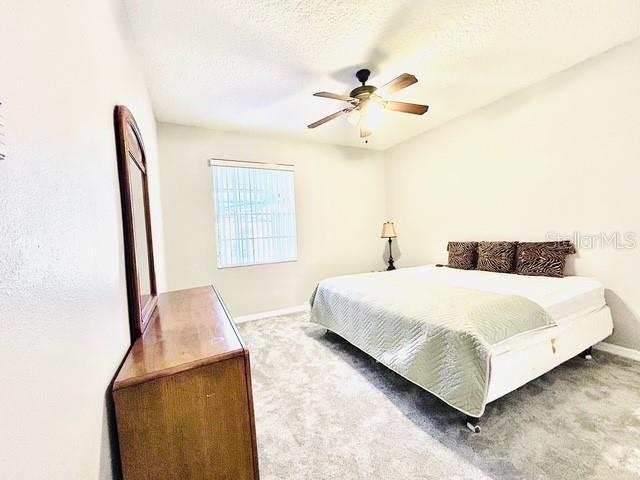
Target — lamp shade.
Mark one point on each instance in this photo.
(388, 230)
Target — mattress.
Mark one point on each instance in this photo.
(566, 299)
(563, 298)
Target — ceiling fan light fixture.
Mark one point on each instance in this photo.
(372, 114)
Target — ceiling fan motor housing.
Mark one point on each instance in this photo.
(362, 92)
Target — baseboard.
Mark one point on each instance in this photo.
(272, 313)
(618, 350)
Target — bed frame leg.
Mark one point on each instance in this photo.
(586, 354)
(473, 424)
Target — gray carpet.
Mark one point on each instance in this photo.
(324, 410)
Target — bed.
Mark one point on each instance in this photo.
(466, 336)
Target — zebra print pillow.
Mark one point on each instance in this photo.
(543, 258)
(496, 256)
(462, 255)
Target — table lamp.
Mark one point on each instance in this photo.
(389, 231)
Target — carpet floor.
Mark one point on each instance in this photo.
(325, 410)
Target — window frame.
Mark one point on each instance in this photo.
(216, 162)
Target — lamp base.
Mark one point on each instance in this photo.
(391, 265)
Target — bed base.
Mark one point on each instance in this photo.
(473, 423)
(513, 369)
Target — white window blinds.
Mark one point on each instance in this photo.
(255, 213)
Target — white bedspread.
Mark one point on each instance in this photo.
(437, 334)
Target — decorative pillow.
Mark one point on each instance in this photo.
(496, 256)
(462, 255)
(543, 258)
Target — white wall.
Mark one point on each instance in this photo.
(562, 156)
(62, 289)
(340, 208)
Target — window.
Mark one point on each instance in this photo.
(255, 213)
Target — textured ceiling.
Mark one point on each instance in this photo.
(253, 65)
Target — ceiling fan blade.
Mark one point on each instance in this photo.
(334, 96)
(403, 81)
(406, 107)
(329, 117)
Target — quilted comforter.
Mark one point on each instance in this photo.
(435, 335)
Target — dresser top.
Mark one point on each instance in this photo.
(190, 328)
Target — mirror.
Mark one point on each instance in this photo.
(134, 194)
(140, 235)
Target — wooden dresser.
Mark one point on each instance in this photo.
(183, 400)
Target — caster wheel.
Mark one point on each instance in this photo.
(473, 428)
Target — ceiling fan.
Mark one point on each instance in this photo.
(367, 102)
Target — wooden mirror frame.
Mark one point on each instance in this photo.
(127, 147)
